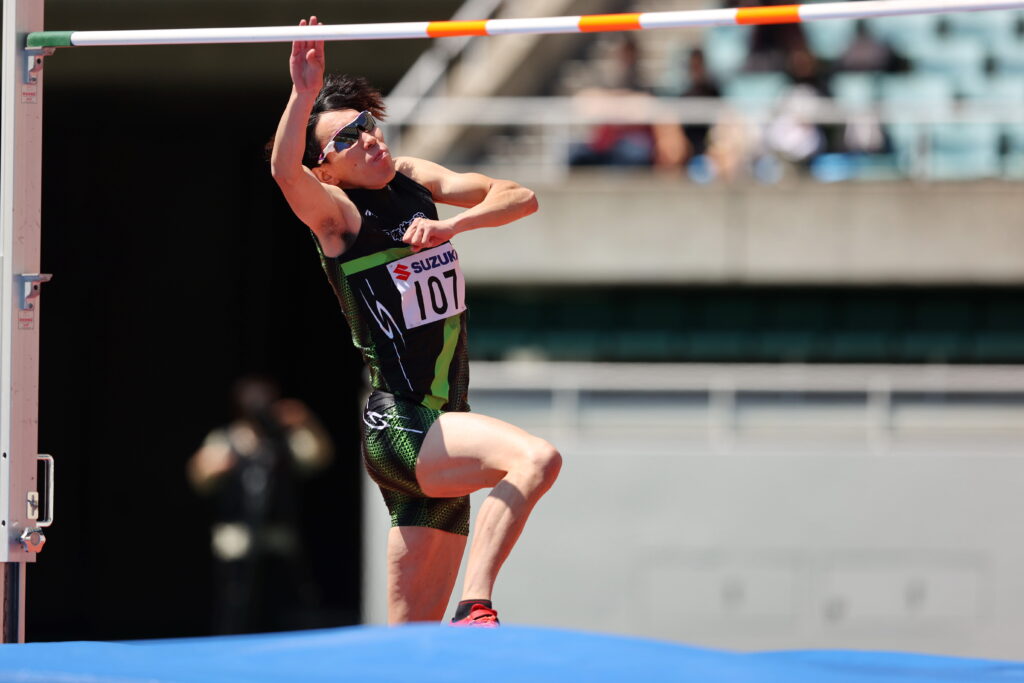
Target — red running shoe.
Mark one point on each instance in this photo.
(479, 617)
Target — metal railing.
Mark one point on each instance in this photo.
(739, 408)
(548, 126)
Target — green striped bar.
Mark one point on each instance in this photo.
(360, 264)
(49, 39)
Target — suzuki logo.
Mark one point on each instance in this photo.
(402, 272)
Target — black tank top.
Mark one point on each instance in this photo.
(407, 311)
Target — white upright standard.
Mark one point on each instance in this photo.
(21, 515)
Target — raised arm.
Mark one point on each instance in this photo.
(489, 202)
(324, 208)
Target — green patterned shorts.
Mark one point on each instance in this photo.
(393, 431)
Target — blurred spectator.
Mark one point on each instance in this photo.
(733, 145)
(701, 84)
(250, 469)
(866, 52)
(617, 144)
(772, 44)
(803, 69)
(792, 134)
(864, 134)
(622, 71)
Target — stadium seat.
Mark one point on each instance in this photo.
(986, 27)
(963, 151)
(998, 90)
(961, 60)
(829, 39)
(855, 90)
(755, 88)
(1013, 162)
(930, 92)
(911, 35)
(1009, 57)
(907, 99)
(725, 51)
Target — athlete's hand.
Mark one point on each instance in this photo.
(307, 62)
(424, 233)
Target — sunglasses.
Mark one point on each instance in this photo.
(349, 134)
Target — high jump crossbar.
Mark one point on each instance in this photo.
(779, 14)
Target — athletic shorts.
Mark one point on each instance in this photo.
(393, 431)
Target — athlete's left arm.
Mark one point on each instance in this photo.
(489, 202)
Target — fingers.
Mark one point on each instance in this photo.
(303, 46)
(297, 44)
(414, 236)
(318, 45)
(421, 235)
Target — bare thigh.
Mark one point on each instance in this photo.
(465, 452)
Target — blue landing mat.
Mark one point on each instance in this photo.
(426, 653)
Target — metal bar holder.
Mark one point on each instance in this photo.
(33, 539)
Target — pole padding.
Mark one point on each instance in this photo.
(777, 14)
(48, 39)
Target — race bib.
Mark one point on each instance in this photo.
(430, 284)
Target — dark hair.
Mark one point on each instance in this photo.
(340, 91)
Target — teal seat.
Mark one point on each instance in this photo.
(997, 91)
(911, 35)
(960, 60)
(1013, 162)
(855, 90)
(755, 89)
(927, 91)
(725, 50)
(829, 39)
(1009, 57)
(988, 27)
(906, 98)
(907, 141)
(964, 151)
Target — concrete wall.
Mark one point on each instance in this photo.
(644, 229)
(881, 514)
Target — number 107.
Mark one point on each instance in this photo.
(436, 293)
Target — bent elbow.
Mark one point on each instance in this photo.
(283, 175)
(276, 171)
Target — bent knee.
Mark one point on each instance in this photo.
(546, 462)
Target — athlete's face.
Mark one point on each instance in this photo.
(367, 163)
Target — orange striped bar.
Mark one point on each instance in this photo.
(778, 14)
(446, 29)
(782, 14)
(610, 22)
